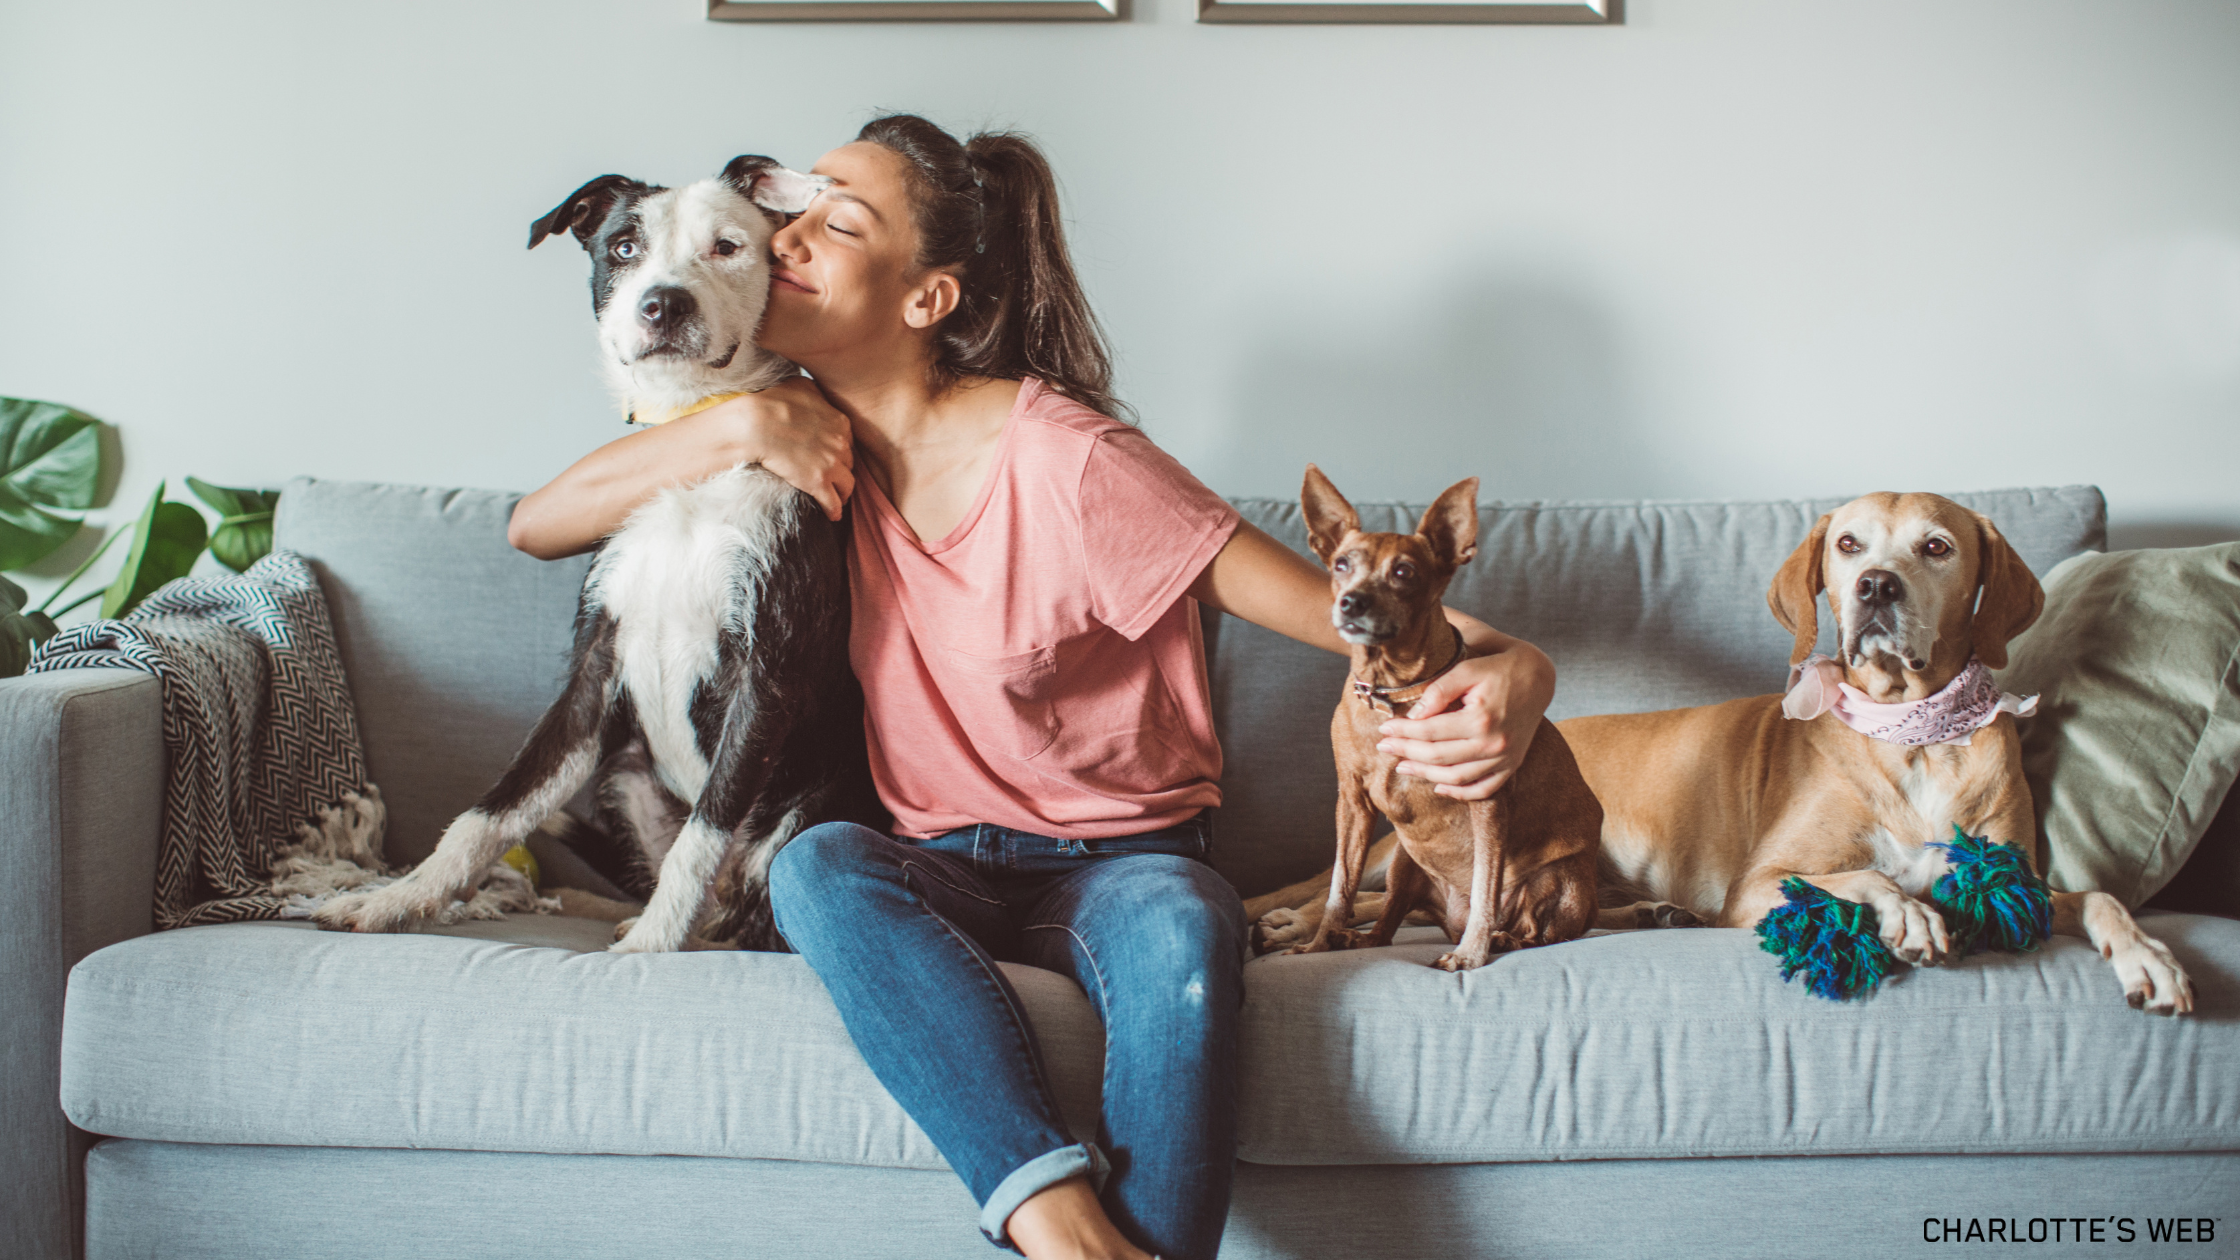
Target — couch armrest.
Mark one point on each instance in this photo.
(81, 808)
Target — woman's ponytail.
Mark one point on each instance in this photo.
(988, 208)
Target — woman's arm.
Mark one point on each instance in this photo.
(1474, 724)
(789, 429)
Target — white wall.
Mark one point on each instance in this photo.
(1729, 248)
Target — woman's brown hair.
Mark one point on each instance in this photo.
(987, 208)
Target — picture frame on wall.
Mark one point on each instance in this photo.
(1565, 12)
(914, 10)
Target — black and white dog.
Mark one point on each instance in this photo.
(711, 659)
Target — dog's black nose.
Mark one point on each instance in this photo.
(1351, 603)
(665, 308)
(1880, 586)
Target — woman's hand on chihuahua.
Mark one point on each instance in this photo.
(1474, 724)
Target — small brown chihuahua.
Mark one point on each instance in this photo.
(1511, 871)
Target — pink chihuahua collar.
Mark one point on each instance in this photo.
(1966, 705)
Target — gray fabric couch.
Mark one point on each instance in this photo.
(506, 1089)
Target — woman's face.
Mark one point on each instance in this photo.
(844, 278)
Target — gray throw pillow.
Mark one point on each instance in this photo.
(2136, 661)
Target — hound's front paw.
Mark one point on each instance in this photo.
(2152, 979)
(394, 908)
(1913, 929)
(1457, 960)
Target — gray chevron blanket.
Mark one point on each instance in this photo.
(267, 808)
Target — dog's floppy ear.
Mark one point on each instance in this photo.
(1450, 525)
(1795, 593)
(762, 181)
(2010, 598)
(1329, 517)
(585, 209)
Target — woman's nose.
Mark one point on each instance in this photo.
(786, 241)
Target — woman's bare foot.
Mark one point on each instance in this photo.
(1065, 1222)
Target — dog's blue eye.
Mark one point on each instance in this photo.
(625, 249)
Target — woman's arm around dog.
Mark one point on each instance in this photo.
(1474, 724)
(789, 429)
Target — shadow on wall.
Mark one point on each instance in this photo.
(2134, 535)
(1520, 382)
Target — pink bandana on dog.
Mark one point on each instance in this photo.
(1952, 716)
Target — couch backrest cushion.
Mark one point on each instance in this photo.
(1641, 605)
(454, 642)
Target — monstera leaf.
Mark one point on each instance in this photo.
(165, 542)
(50, 459)
(245, 526)
(19, 630)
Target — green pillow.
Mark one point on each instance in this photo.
(2136, 662)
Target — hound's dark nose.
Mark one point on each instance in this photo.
(1351, 604)
(1880, 586)
(663, 309)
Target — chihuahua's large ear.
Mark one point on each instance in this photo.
(1329, 517)
(762, 181)
(585, 209)
(2010, 598)
(1450, 525)
(1794, 596)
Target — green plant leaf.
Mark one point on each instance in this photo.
(244, 534)
(50, 461)
(165, 542)
(16, 635)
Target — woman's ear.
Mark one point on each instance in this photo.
(932, 299)
(1795, 593)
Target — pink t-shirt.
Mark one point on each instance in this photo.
(1040, 667)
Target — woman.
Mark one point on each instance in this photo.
(1023, 569)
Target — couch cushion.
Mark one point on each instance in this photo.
(1641, 605)
(1684, 1043)
(522, 1035)
(454, 642)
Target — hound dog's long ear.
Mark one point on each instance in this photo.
(1329, 517)
(585, 209)
(1450, 525)
(2010, 598)
(762, 181)
(1795, 593)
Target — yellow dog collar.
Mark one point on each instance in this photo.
(651, 418)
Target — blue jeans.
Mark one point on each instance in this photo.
(906, 934)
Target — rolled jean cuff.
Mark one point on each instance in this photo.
(1034, 1177)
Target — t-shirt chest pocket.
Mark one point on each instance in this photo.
(1005, 701)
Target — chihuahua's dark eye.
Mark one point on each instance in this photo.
(1848, 545)
(624, 249)
(1403, 571)
(1937, 547)
(727, 248)
(1342, 565)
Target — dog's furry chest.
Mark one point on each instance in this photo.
(683, 573)
(1917, 800)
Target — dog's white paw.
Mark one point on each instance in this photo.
(394, 908)
(1912, 929)
(2152, 979)
(636, 936)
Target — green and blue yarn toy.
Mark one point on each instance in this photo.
(1990, 899)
